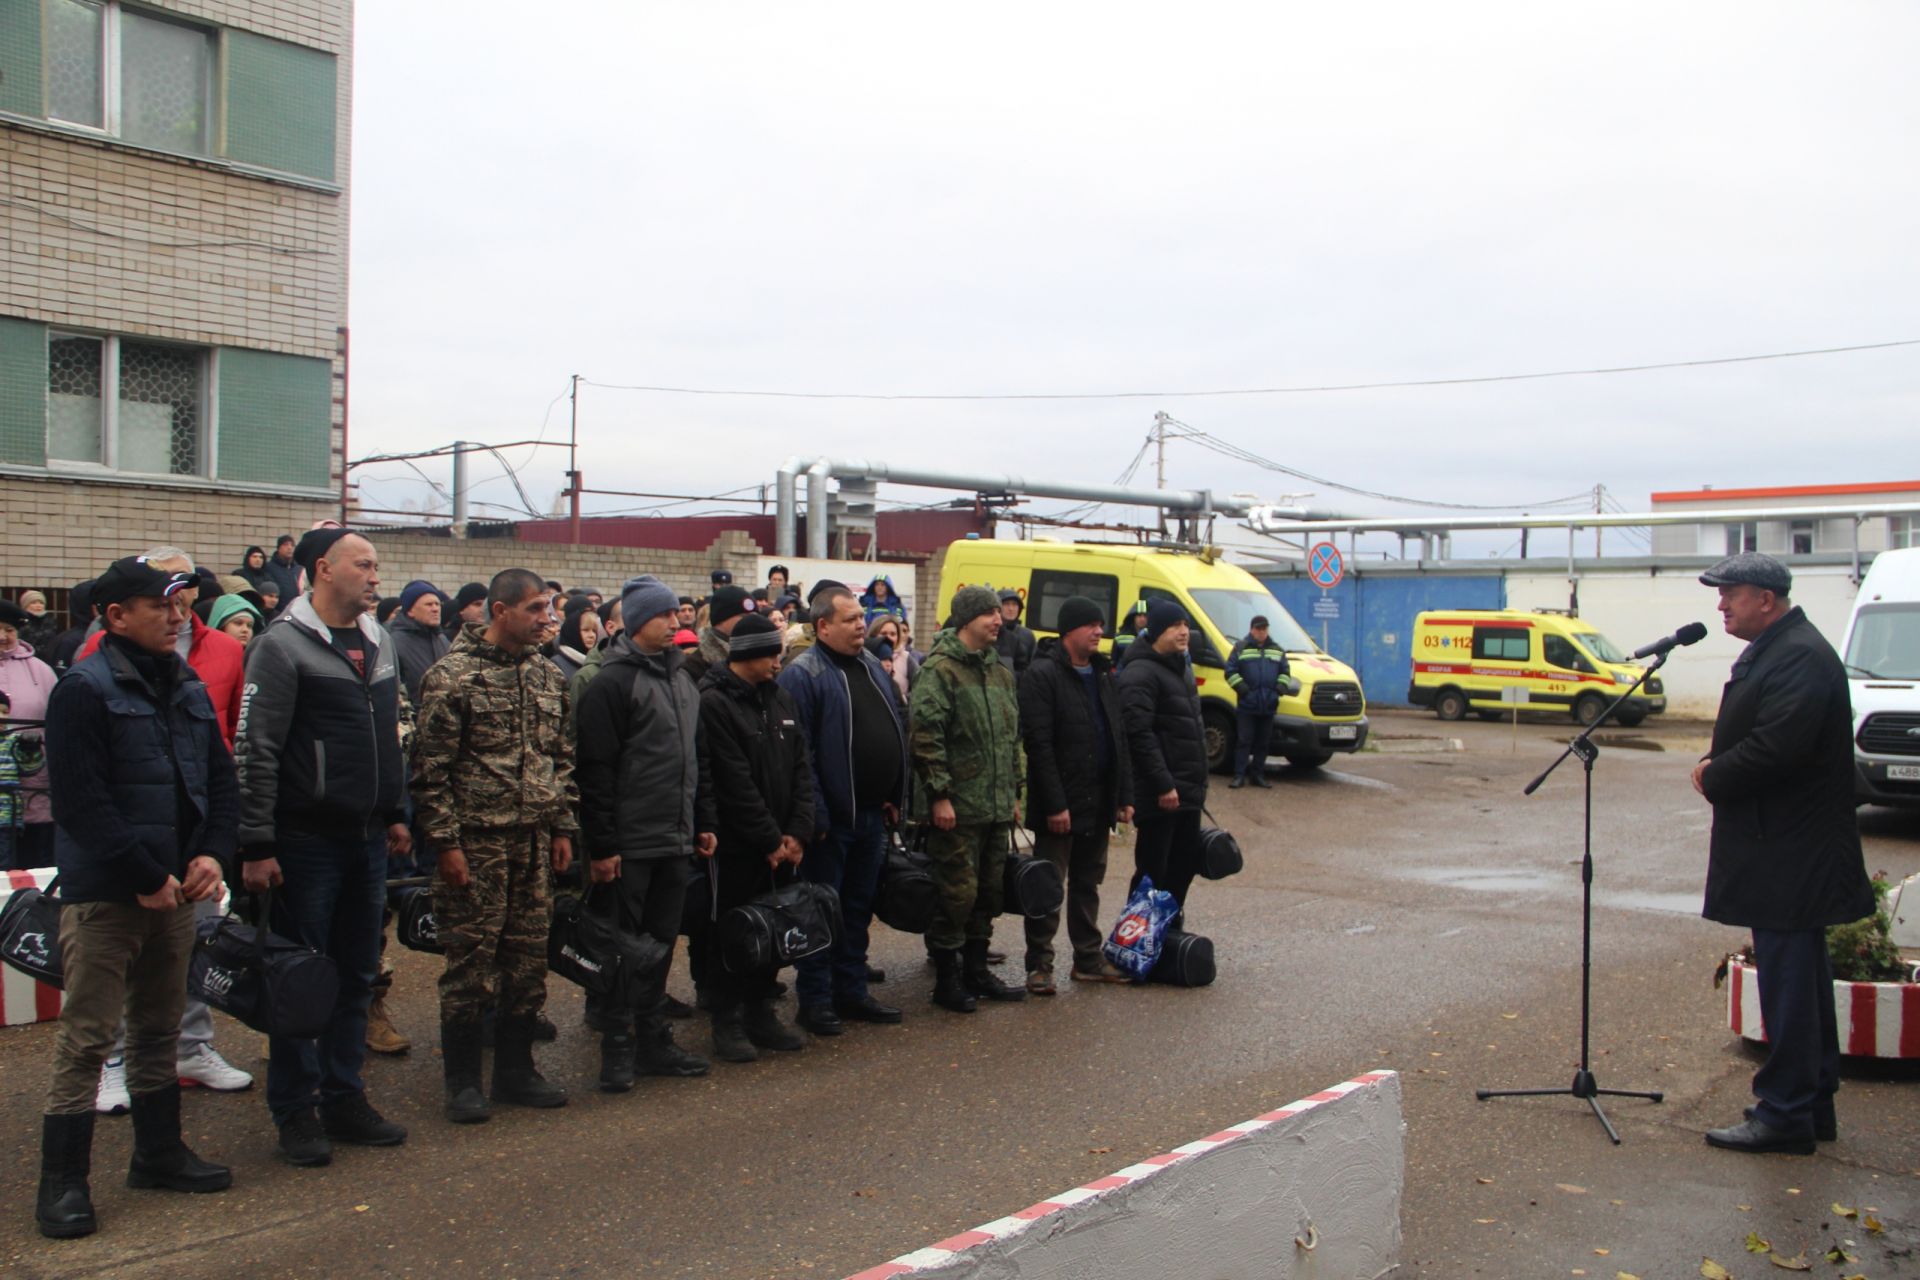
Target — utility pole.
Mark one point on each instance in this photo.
(573, 465)
(1159, 434)
(1599, 498)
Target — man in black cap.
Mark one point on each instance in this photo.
(1079, 783)
(285, 573)
(721, 578)
(1016, 643)
(687, 613)
(1257, 674)
(469, 609)
(322, 804)
(145, 808)
(724, 611)
(1168, 741)
(1784, 858)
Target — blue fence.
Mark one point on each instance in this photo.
(1367, 620)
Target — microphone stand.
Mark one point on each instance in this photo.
(1584, 1086)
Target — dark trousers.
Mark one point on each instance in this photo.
(1803, 1040)
(1254, 730)
(1166, 847)
(333, 898)
(1082, 859)
(850, 860)
(650, 897)
(735, 881)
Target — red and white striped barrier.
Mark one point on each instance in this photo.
(1363, 1174)
(23, 1000)
(1876, 1019)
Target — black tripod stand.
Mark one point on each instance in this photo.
(1584, 1085)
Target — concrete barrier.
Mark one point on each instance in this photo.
(1311, 1190)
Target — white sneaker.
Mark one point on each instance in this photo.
(110, 1098)
(206, 1068)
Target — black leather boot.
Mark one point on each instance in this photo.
(64, 1206)
(460, 1050)
(766, 1030)
(515, 1078)
(617, 1048)
(660, 1056)
(949, 992)
(160, 1159)
(730, 1042)
(981, 981)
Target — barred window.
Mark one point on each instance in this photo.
(130, 73)
(132, 406)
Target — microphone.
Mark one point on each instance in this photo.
(1692, 633)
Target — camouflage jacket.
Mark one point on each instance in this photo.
(965, 734)
(491, 747)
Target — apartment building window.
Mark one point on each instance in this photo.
(1743, 537)
(1900, 533)
(131, 74)
(1800, 538)
(128, 406)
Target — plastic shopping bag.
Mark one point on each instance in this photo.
(1134, 946)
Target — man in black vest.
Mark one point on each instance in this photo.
(1785, 855)
(146, 811)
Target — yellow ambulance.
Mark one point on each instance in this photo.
(1327, 714)
(1463, 658)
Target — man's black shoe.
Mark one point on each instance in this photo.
(675, 1008)
(303, 1142)
(658, 1055)
(1758, 1136)
(354, 1121)
(867, 1009)
(766, 1031)
(820, 1019)
(617, 1052)
(1259, 779)
(1825, 1127)
(1236, 784)
(64, 1205)
(876, 976)
(543, 1029)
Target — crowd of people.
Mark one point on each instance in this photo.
(288, 731)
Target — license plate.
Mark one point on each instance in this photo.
(1348, 732)
(1903, 773)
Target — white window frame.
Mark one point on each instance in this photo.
(110, 67)
(1900, 533)
(1810, 528)
(205, 358)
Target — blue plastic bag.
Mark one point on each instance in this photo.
(1134, 945)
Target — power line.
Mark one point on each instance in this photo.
(47, 211)
(1258, 391)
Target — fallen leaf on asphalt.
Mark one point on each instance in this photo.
(1713, 1270)
(1579, 1271)
(1570, 1189)
(1602, 1252)
(1796, 1263)
(1873, 1224)
(1837, 1255)
(1616, 1202)
(360, 1208)
(1486, 1222)
(1509, 1016)
(1793, 1191)
(1743, 1207)
(1625, 1275)
(1755, 1244)
(1099, 1151)
(1485, 1182)
(1845, 1212)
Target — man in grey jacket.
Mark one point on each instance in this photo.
(638, 771)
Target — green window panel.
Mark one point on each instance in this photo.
(23, 392)
(20, 58)
(280, 106)
(275, 419)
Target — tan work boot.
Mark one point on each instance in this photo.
(382, 1035)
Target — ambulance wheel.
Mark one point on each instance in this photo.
(1450, 704)
(1589, 708)
(1628, 719)
(1221, 733)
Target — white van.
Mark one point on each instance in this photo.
(1882, 654)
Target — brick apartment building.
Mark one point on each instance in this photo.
(173, 276)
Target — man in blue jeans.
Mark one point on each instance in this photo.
(856, 736)
(322, 804)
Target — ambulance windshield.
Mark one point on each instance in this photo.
(1232, 612)
(1885, 644)
(1601, 647)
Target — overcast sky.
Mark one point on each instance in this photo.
(1020, 198)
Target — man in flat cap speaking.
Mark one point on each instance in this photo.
(1785, 855)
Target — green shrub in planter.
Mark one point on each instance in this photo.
(1863, 951)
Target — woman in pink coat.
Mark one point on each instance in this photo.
(27, 681)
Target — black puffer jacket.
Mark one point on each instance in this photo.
(1164, 728)
(754, 752)
(636, 761)
(1063, 753)
(416, 646)
(1785, 850)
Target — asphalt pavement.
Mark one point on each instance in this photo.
(1405, 908)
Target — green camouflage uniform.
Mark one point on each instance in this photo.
(965, 738)
(493, 777)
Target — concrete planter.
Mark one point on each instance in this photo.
(1876, 1019)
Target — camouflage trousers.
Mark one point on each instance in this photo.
(494, 929)
(970, 869)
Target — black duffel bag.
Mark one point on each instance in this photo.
(413, 920)
(272, 984)
(779, 927)
(1186, 960)
(1220, 854)
(594, 952)
(1033, 886)
(908, 897)
(30, 934)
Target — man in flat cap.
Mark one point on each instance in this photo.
(1784, 858)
